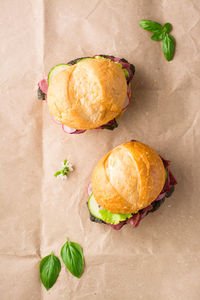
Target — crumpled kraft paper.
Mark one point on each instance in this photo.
(158, 260)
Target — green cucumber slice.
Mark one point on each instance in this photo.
(60, 67)
(56, 69)
(118, 64)
(97, 57)
(126, 73)
(94, 207)
(85, 58)
(103, 214)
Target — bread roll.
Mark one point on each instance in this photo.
(128, 178)
(88, 94)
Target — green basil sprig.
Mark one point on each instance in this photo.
(72, 256)
(150, 25)
(161, 33)
(49, 270)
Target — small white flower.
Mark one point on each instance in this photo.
(67, 164)
(70, 167)
(66, 169)
(63, 177)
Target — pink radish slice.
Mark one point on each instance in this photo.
(127, 102)
(128, 90)
(78, 131)
(71, 130)
(68, 129)
(161, 196)
(43, 85)
(89, 189)
(56, 121)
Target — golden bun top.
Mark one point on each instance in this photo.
(128, 178)
(88, 94)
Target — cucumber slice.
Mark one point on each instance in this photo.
(97, 57)
(84, 58)
(118, 64)
(56, 69)
(103, 214)
(126, 73)
(94, 207)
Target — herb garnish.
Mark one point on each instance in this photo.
(161, 33)
(72, 256)
(49, 270)
(110, 125)
(66, 169)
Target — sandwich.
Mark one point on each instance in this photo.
(128, 183)
(88, 92)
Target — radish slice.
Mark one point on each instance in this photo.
(56, 121)
(43, 85)
(128, 90)
(127, 102)
(128, 98)
(161, 196)
(71, 130)
(79, 131)
(89, 189)
(68, 129)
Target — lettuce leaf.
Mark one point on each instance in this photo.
(113, 218)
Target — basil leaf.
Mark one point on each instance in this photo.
(158, 36)
(150, 25)
(57, 173)
(170, 192)
(156, 205)
(167, 28)
(110, 126)
(168, 46)
(72, 256)
(49, 270)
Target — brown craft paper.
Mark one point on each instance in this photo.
(158, 260)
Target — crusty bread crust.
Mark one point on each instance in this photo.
(88, 94)
(128, 178)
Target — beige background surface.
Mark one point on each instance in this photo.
(158, 260)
